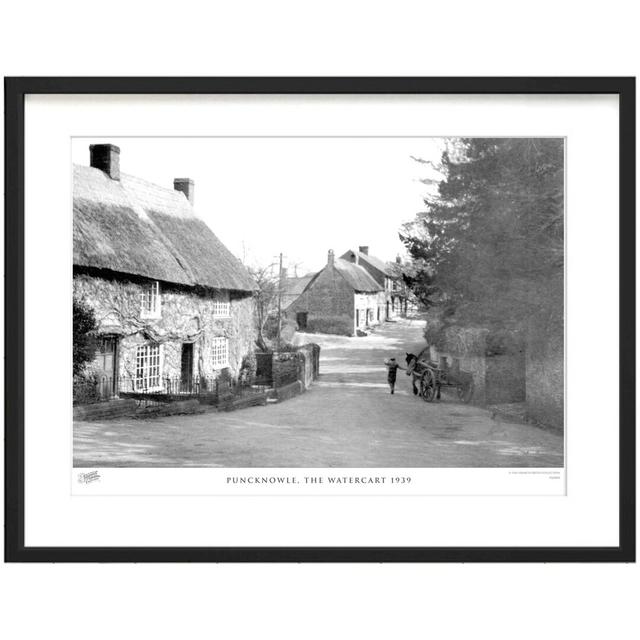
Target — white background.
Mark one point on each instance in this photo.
(587, 516)
(465, 38)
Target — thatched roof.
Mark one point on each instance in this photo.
(357, 277)
(295, 286)
(136, 227)
(380, 265)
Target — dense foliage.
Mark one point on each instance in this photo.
(84, 342)
(488, 250)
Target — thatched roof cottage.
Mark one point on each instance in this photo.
(387, 275)
(172, 302)
(341, 298)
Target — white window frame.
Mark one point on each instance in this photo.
(220, 352)
(221, 305)
(150, 300)
(149, 360)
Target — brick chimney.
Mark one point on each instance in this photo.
(186, 186)
(364, 250)
(106, 157)
(330, 258)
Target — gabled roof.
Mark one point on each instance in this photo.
(357, 277)
(136, 227)
(380, 265)
(295, 286)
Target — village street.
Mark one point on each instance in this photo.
(347, 419)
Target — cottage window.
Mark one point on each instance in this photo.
(221, 305)
(148, 367)
(220, 349)
(150, 300)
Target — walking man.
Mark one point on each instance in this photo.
(392, 370)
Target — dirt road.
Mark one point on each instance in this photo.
(347, 419)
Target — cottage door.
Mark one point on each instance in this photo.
(105, 364)
(186, 367)
(301, 319)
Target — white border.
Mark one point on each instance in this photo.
(587, 516)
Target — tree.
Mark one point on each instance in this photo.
(489, 248)
(84, 341)
(266, 299)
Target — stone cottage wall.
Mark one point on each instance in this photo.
(381, 304)
(367, 302)
(329, 303)
(186, 316)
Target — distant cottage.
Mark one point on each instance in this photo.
(387, 275)
(172, 303)
(341, 298)
(293, 287)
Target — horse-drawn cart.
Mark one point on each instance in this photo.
(428, 379)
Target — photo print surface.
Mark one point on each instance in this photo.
(318, 302)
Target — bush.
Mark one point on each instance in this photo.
(84, 342)
(338, 325)
(85, 389)
(287, 328)
(248, 369)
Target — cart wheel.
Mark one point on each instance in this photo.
(465, 391)
(427, 386)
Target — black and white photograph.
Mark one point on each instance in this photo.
(364, 320)
(318, 302)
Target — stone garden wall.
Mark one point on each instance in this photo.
(545, 381)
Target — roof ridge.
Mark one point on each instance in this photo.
(148, 230)
(129, 176)
(347, 265)
(372, 260)
(169, 190)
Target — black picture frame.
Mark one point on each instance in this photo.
(15, 91)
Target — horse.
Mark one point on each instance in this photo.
(420, 370)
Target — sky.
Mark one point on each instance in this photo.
(298, 196)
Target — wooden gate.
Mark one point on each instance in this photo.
(264, 369)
